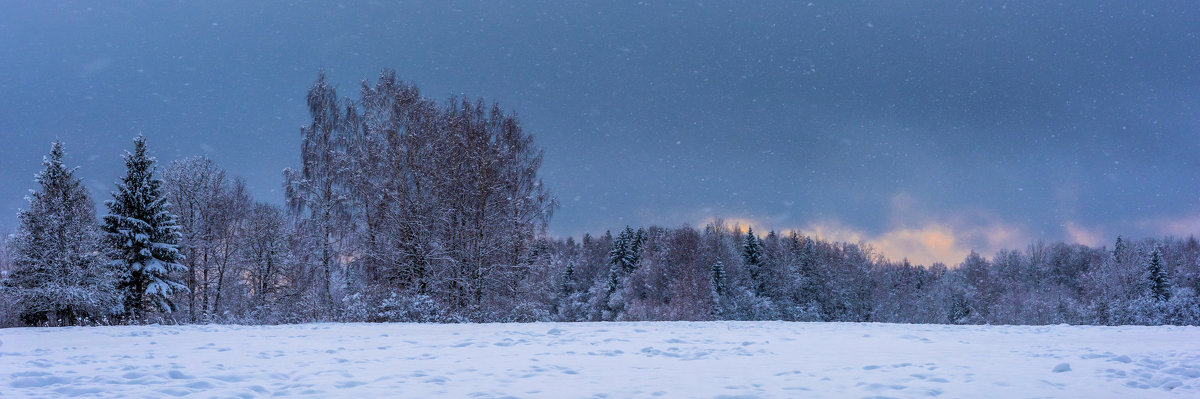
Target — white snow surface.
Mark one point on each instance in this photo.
(601, 360)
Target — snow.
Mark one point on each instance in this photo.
(615, 360)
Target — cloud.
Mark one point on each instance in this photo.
(928, 244)
(948, 242)
(1080, 235)
(925, 245)
(1181, 226)
(920, 236)
(924, 235)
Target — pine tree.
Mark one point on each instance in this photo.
(143, 236)
(60, 275)
(1118, 248)
(752, 256)
(635, 248)
(1157, 282)
(718, 278)
(614, 277)
(625, 250)
(567, 285)
(808, 279)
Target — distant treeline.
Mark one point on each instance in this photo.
(405, 209)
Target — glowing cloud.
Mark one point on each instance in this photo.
(921, 237)
(1080, 235)
(924, 245)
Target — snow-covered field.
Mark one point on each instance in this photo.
(610, 360)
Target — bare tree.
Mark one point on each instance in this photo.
(317, 194)
(414, 197)
(264, 254)
(229, 223)
(194, 185)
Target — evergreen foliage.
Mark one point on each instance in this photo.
(1157, 282)
(143, 238)
(60, 275)
(752, 256)
(718, 279)
(567, 283)
(626, 249)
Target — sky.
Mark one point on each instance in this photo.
(925, 128)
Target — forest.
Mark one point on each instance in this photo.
(409, 209)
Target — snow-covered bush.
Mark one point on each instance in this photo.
(394, 307)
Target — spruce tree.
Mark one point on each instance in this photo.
(718, 278)
(625, 250)
(143, 237)
(1157, 282)
(635, 248)
(567, 285)
(616, 254)
(808, 279)
(60, 275)
(614, 277)
(752, 256)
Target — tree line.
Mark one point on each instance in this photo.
(407, 209)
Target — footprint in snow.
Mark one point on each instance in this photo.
(178, 375)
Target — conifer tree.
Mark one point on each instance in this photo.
(625, 249)
(614, 277)
(143, 237)
(718, 278)
(752, 256)
(807, 270)
(1119, 247)
(635, 247)
(1157, 282)
(60, 275)
(567, 285)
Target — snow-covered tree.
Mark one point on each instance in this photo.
(1119, 248)
(1158, 285)
(626, 249)
(621, 259)
(718, 279)
(808, 281)
(752, 257)
(60, 275)
(143, 237)
(636, 243)
(264, 252)
(192, 185)
(5, 261)
(317, 193)
(211, 212)
(566, 284)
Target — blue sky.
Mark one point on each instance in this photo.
(926, 128)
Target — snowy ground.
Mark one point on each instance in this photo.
(613, 360)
